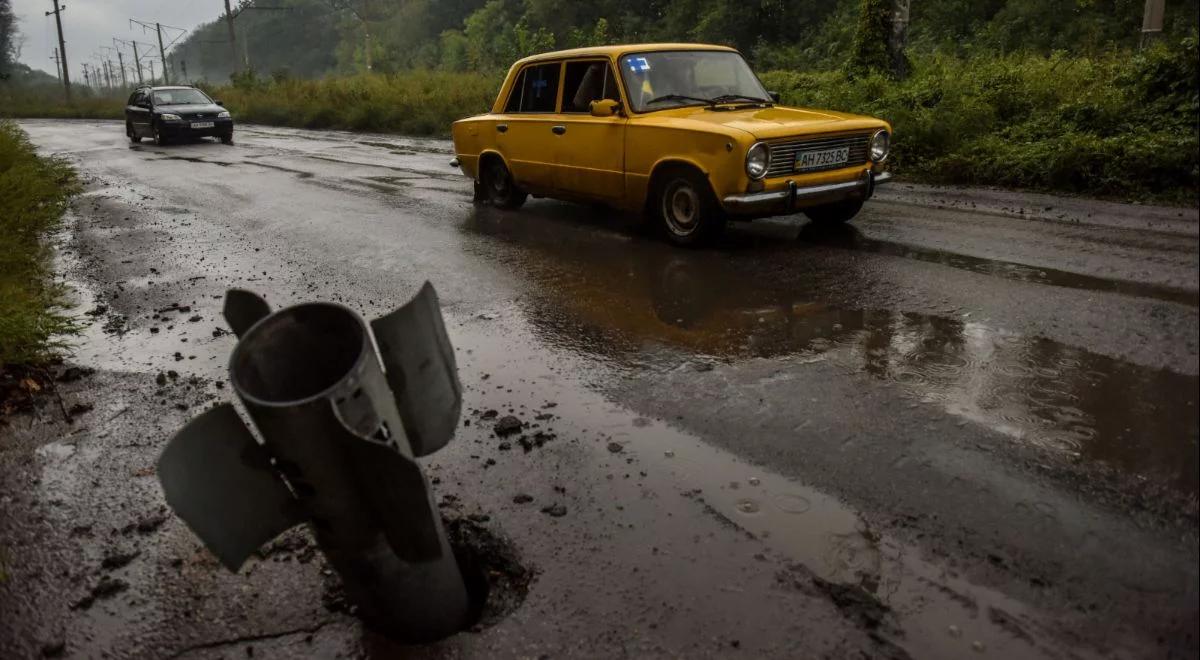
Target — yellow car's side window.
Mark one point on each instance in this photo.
(535, 89)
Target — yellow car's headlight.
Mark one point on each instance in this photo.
(880, 146)
(758, 160)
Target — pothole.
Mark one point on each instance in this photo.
(497, 582)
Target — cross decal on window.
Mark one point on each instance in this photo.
(539, 85)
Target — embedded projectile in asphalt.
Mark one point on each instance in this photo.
(341, 426)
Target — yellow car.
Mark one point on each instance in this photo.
(684, 133)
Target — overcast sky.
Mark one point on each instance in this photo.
(90, 24)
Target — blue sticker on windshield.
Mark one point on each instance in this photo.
(638, 64)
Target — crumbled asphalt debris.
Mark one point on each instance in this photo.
(529, 443)
(116, 560)
(147, 525)
(489, 414)
(105, 589)
(54, 649)
(195, 318)
(616, 447)
(555, 510)
(507, 426)
(72, 374)
(504, 446)
(79, 409)
(160, 379)
(522, 498)
(98, 310)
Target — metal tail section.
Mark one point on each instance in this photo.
(421, 370)
(219, 480)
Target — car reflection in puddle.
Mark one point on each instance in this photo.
(639, 304)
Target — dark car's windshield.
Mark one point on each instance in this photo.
(180, 97)
(673, 78)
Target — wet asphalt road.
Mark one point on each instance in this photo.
(964, 426)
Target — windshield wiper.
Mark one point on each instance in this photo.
(727, 98)
(678, 97)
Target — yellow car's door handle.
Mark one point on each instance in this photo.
(559, 130)
(503, 128)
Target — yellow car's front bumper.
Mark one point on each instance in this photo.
(795, 197)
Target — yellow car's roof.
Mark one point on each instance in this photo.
(613, 51)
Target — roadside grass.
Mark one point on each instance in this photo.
(34, 192)
(1121, 125)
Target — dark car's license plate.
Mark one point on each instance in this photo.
(203, 124)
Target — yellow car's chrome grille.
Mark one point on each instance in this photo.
(784, 150)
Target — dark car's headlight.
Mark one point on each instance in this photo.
(169, 117)
(758, 160)
(224, 114)
(881, 144)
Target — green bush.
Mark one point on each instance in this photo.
(33, 195)
(1122, 125)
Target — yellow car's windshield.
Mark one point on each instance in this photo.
(669, 79)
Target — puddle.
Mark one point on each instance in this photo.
(850, 238)
(641, 305)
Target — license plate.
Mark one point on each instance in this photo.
(807, 160)
(203, 124)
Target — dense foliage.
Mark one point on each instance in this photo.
(314, 37)
(33, 195)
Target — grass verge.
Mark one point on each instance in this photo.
(34, 192)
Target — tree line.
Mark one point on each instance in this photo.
(309, 38)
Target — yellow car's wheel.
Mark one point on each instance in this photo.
(688, 212)
(499, 186)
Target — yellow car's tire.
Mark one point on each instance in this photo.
(499, 186)
(836, 213)
(687, 211)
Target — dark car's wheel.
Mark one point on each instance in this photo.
(133, 136)
(836, 213)
(159, 138)
(686, 208)
(499, 186)
(227, 138)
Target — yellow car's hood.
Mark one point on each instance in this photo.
(774, 122)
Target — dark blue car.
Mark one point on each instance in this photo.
(175, 113)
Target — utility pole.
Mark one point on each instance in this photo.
(1152, 21)
(86, 81)
(57, 65)
(162, 53)
(232, 39)
(121, 63)
(62, 47)
(151, 72)
(137, 62)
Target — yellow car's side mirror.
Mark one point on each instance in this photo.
(605, 108)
